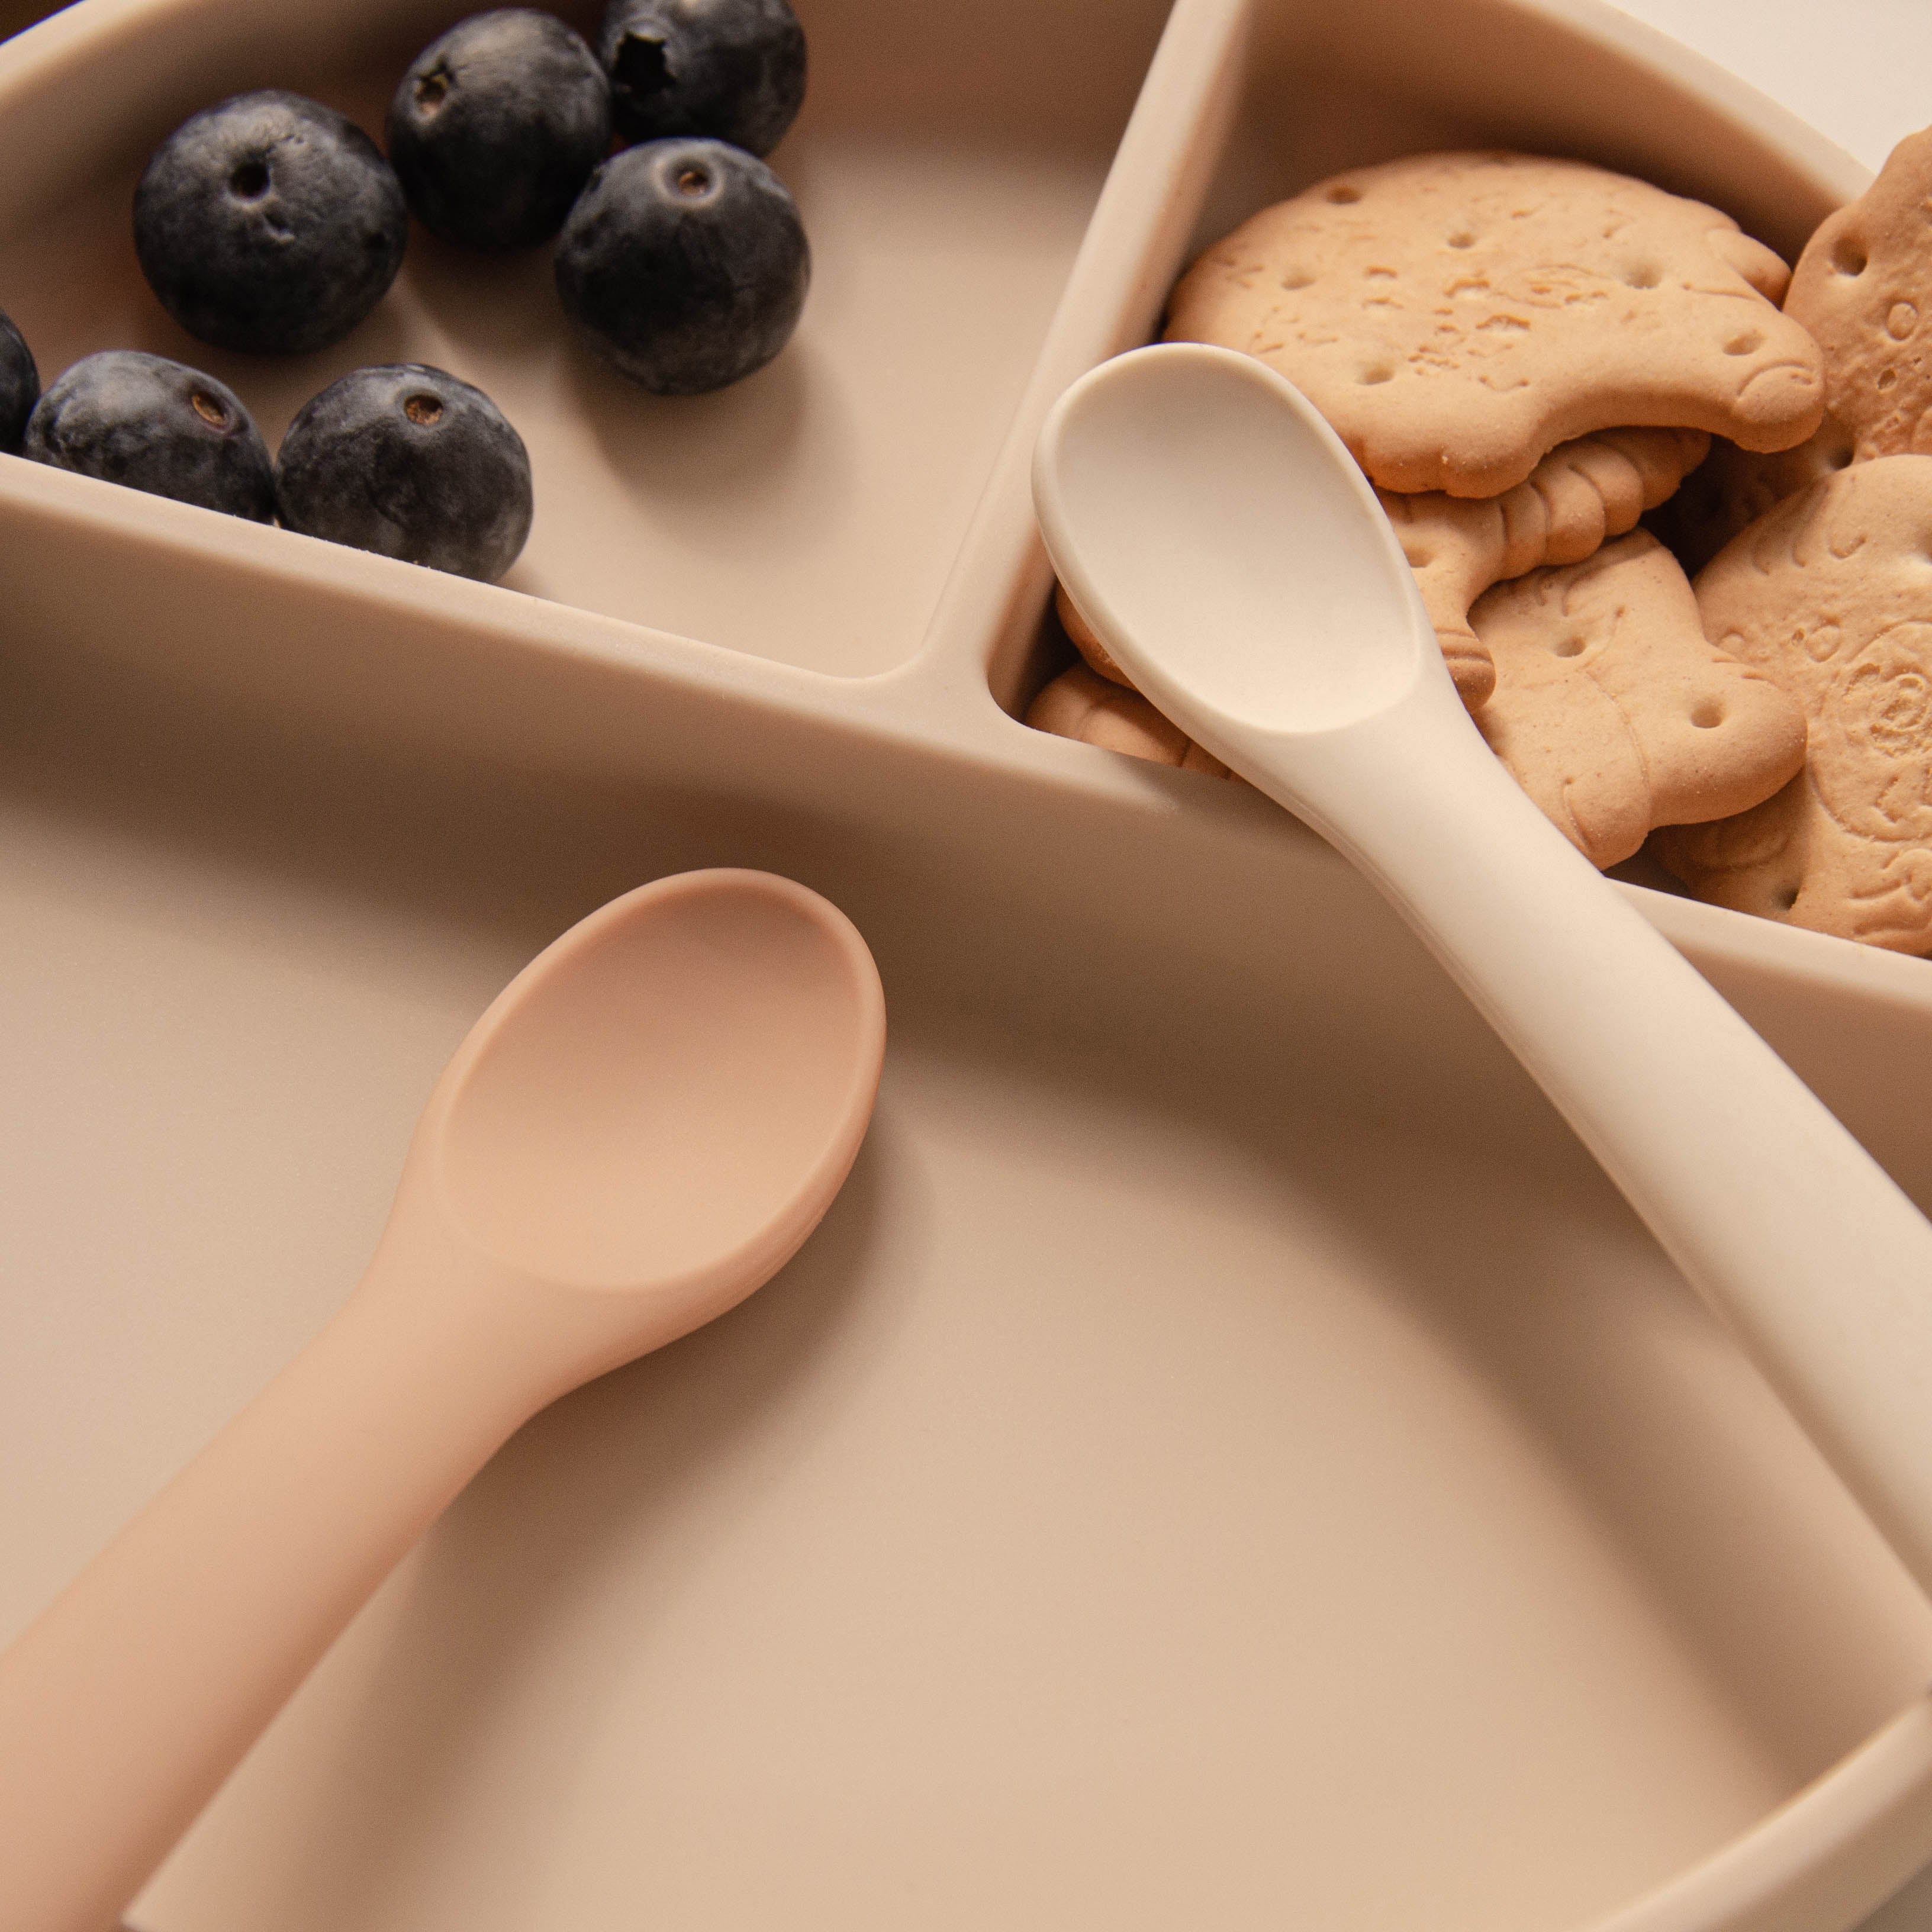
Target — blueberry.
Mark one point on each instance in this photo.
(128, 417)
(409, 462)
(269, 223)
(19, 386)
(686, 263)
(732, 69)
(496, 126)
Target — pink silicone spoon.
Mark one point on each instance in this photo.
(643, 1127)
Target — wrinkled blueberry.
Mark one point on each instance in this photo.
(686, 263)
(409, 462)
(19, 386)
(732, 69)
(496, 126)
(128, 417)
(269, 223)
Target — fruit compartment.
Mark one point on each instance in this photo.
(810, 513)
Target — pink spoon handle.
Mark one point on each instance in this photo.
(126, 1705)
(640, 1130)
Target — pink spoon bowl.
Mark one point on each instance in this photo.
(642, 1128)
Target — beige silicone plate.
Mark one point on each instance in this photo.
(1228, 1460)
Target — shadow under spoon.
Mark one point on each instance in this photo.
(1214, 531)
(642, 1128)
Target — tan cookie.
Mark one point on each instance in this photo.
(1078, 704)
(1615, 714)
(1732, 487)
(1456, 316)
(1863, 287)
(1830, 596)
(1578, 495)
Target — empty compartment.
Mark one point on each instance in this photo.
(1228, 1456)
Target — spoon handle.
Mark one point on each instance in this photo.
(126, 1705)
(1798, 1240)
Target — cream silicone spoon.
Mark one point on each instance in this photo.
(1213, 530)
(642, 1128)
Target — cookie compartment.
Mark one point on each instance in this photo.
(945, 174)
(1229, 1455)
(1311, 89)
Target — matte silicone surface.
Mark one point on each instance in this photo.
(1228, 1456)
(643, 1127)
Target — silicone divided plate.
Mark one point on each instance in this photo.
(1229, 1459)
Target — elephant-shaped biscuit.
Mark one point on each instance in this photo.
(1456, 316)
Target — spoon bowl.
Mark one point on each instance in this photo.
(641, 1129)
(1249, 578)
(664, 1102)
(1234, 560)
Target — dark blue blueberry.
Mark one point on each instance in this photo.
(269, 223)
(496, 126)
(409, 462)
(19, 386)
(686, 263)
(731, 69)
(131, 418)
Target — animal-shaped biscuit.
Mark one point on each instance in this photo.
(1732, 487)
(1830, 596)
(1456, 316)
(1580, 493)
(1096, 711)
(1615, 714)
(1863, 287)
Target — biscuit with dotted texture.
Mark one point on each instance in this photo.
(1830, 596)
(1581, 494)
(1456, 316)
(1614, 713)
(1863, 287)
